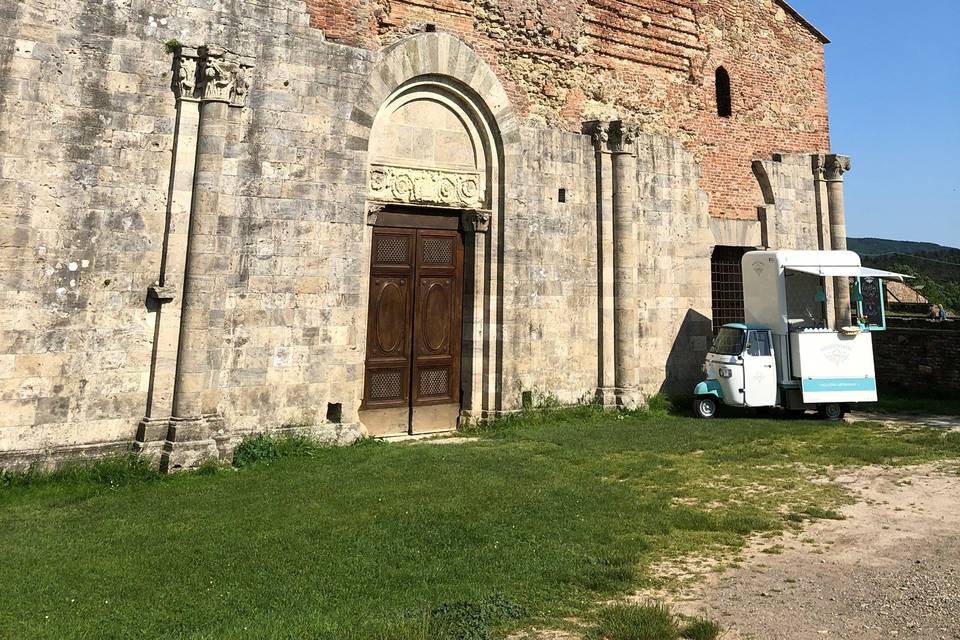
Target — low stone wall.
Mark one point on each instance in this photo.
(919, 355)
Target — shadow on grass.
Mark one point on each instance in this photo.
(904, 402)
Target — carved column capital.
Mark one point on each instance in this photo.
(374, 209)
(226, 77)
(623, 136)
(476, 221)
(211, 74)
(186, 83)
(599, 132)
(835, 167)
(819, 166)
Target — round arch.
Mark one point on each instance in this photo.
(436, 78)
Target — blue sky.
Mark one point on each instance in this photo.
(893, 77)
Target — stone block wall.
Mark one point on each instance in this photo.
(96, 179)
(550, 282)
(675, 244)
(795, 212)
(918, 356)
(87, 119)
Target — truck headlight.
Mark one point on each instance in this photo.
(725, 372)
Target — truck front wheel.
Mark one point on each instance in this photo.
(833, 411)
(705, 408)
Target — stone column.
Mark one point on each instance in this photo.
(163, 297)
(625, 265)
(823, 229)
(196, 423)
(606, 351)
(836, 166)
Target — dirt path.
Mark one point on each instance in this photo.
(891, 569)
(937, 422)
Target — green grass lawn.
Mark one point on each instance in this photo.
(537, 520)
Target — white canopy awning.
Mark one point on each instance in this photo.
(851, 271)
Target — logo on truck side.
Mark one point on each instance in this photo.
(836, 353)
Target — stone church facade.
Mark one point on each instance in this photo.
(381, 217)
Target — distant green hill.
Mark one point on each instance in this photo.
(874, 246)
(936, 268)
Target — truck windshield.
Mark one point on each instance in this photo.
(729, 342)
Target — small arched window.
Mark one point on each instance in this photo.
(724, 101)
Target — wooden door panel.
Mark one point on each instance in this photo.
(437, 318)
(393, 250)
(414, 328)
(389, 323)
(435, 308)
(389, 320)
(387, 387)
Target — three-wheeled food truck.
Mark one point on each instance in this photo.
(785, 354)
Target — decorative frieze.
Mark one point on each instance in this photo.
(211, 74)
(437, 187)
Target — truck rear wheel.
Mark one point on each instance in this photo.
(705, 408)
(832, 411)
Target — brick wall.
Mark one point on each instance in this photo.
(652, 61)
(918, 355)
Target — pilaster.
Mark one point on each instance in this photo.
(819, 166)
(182, 413)
(164, 296)
(835, 166)
(599, 133)
(625, 264)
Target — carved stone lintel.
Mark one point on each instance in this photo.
(836, 166)
(462, 189)
(211, 74)
(476, 221)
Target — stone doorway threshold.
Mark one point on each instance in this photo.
(437, 437)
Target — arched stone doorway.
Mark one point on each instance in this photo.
(434, 119)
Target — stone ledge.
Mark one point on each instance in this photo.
(53, 458)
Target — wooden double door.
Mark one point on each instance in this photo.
(412, 373)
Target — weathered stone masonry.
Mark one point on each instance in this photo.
(181, 267)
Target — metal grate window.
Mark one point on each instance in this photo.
(726, 273)
(392, 250)
(434, 382)
(386, 385)
(438, 251)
